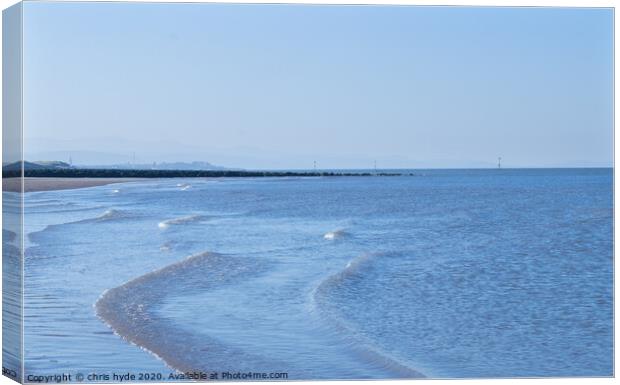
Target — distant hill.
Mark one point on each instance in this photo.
(38, 165)
(194, 166)
(57, 165)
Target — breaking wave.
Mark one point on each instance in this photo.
(337, 234)
(130, 311)
(360, 344)
(180, 221)
(108, 215)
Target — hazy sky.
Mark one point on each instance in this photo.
(278, 86)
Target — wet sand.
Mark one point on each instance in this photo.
(49, 184)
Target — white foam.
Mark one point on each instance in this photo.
(179, 221)
(337, 234)
(111, 214)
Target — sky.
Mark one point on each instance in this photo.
(282, 86)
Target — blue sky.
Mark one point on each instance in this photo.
(279, 86)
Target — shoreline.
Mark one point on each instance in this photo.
(38, 184)
(140, 173)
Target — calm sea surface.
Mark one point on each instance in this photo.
(463, 273)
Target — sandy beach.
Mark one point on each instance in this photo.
(48, 184)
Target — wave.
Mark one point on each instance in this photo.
(181, 220)
(337, 234)
(184, 186)
(360, 344)
(108, 215)
(63, 210)
(32, 203)
(130, 311)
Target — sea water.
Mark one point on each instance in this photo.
(443, 273)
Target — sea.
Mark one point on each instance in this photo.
(434, 273)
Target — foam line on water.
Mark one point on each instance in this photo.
(336, 234)
(361, 345)
(181, 220)
(130, 311)
(109, 215)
